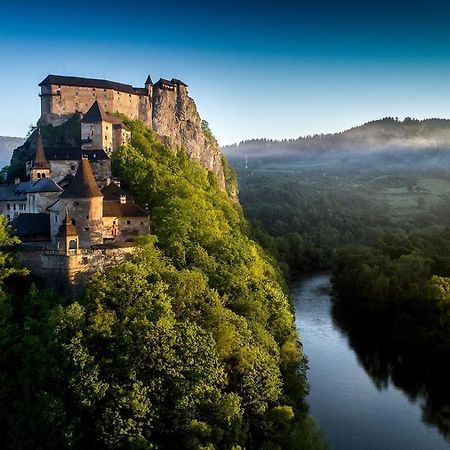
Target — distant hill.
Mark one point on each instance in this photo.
(7, 145)
(383, 134)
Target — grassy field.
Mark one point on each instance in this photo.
(405, 191)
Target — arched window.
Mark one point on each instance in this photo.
(72, 244)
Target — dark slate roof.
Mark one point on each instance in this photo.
(67, 228)
(83, 184)
(95, 114)
(43, 185)
(112, 193)
(175, 81)
(74, 154)
(87, 82)
(164, 81)
(26, 224)
(148, 81)
(128, 209)
(40, 160)
(18, 192)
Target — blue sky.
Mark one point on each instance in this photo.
(276, 69)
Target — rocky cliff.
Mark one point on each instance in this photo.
(176, 120)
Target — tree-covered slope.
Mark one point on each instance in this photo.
(189, 344)
(384, 134)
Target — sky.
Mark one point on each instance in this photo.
(274, 69)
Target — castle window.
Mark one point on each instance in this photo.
(14, 207)
(128, 222)
(142, 223)
(73, 222)
(86, 229)
(8, 207)
(104, 90)
(87, 217)
(72, 167)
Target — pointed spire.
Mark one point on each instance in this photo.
(148, 81)
(40, 161)
(67, 228)
(96, 114)
(83, 184)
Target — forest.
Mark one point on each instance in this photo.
(382, 227)
(191, 343)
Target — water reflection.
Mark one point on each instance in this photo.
(363, 396)
(426, 384)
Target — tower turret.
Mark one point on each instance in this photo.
(149, 86)
(40, 167)
(85, 203)
(67, 237)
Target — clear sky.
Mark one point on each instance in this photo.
(276, 69)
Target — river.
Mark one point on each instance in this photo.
(353, 413)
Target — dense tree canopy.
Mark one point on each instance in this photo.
(189, 344)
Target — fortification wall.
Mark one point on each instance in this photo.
(69, 273)
(59, 102)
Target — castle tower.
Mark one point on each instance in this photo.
(40, 168)
(84, 201)
(149, 86)
(97, 129)
(67, 237)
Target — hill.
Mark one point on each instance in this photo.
(7, 145)
(189, 344)
(379, 135)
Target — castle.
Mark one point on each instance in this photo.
(72, 217)
(63, 96)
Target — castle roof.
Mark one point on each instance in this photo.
(112, 193)
(164, 81)
(175, 81)
(95, 114)
(88, 82)
(83, 184)
(27, 225)
(148, 81)
(18, 192)
(67, 228)
(129, 209)
(40, 160)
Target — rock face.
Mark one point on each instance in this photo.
(176, 120)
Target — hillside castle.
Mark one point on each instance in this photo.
(72, 216)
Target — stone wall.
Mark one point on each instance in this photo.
(39, 202)
(69, 273)
(59, 102)
(60, 168)
(87, 215)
